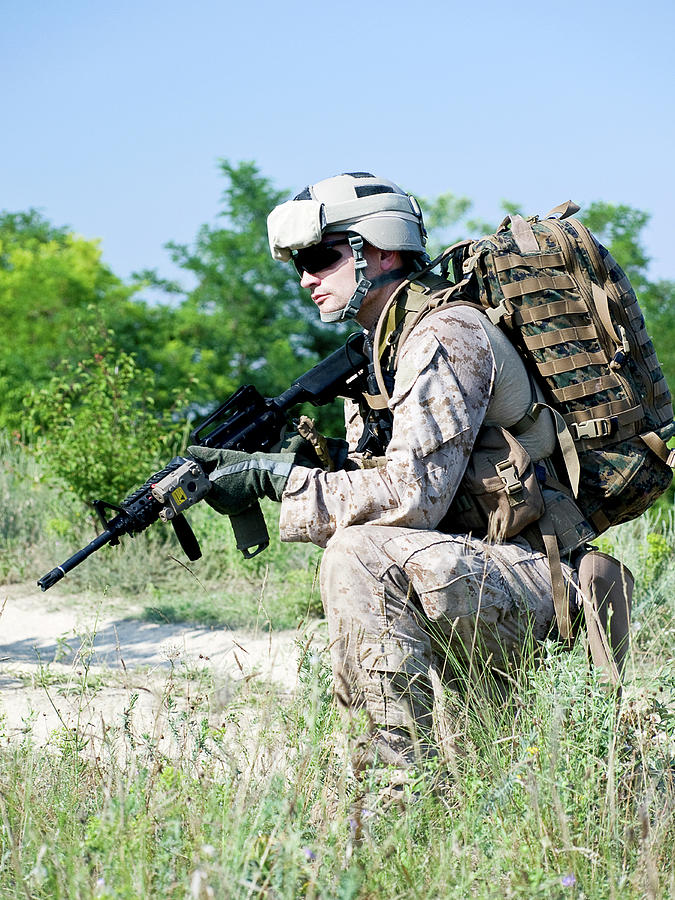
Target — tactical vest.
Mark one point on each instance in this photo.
(500, 493)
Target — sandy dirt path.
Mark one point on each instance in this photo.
(66, 664)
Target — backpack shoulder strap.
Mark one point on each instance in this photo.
(417, 296)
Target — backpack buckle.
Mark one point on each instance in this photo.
(496, 313)
(593, 428)
(512, 484)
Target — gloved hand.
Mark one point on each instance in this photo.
(240, 479)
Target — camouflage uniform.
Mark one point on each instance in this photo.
(397, 592)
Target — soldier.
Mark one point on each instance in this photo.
(404, 587)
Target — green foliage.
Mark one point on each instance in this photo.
(247, 319)
(619, 228)
(97, 428)
(33, 514)
(49, 278)
(647, 546)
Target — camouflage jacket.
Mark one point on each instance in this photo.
(444, 390)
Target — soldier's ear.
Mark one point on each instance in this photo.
(389, 260)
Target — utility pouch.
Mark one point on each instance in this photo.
(499, 495)
(570, 526)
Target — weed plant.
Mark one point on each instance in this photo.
(560, 792)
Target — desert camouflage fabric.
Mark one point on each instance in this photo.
(407, 608)
(456, 372)
(398, 593)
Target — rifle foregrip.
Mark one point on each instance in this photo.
(250, 531)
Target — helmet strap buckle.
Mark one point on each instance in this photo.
(352, 308)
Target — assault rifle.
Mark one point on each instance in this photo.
(246, 421)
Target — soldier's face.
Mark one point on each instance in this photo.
(332, 286)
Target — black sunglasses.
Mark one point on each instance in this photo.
(318, 257)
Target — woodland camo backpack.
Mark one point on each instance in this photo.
(570, 310)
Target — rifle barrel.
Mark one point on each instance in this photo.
(58, 573)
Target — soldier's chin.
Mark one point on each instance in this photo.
(334, 316)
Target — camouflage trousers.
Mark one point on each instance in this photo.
(404, 606)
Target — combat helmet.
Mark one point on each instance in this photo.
(364, 206)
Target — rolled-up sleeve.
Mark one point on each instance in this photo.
(442, 388)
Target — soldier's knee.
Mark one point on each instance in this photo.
(349, 565)
(343, 548)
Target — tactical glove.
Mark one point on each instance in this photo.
(240, 479)
(331, 455)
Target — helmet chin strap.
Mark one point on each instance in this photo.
(351, 309)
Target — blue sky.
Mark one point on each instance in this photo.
(115, 114)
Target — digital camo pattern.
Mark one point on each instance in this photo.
(397, 593)
(441, 394)
(404, 605)
(592, 370)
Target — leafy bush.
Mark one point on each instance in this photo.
(33, 513)
(97, 429)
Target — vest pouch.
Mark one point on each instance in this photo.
(572, 530)
(499, 494)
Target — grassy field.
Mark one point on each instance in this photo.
(561, 792)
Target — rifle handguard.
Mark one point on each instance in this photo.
(250, 531)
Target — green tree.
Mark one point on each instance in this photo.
(246, 320)
(52, 282)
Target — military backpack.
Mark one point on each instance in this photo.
(571, 311)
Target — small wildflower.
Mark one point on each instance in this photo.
(171, 650)
(568, 880)
(309, 854)
(533, 750)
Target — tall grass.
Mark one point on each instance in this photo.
(558, 792)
